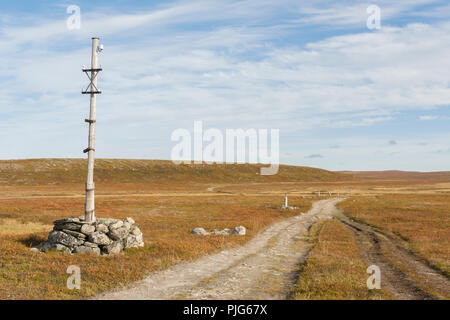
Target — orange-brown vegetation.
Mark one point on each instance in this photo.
(421, 219)
(167, 201)
(334, 269)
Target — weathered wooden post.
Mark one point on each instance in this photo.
(92, 73)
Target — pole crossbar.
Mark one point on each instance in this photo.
(92, 87)
(92, 70)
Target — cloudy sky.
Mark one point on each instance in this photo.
(344, 97)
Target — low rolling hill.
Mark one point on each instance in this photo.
(69, 171)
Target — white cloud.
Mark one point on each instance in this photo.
(231, 75)
(425, 118)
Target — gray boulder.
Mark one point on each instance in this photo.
(102, 228)
(100, 239)
(116, 225)
(106, 221)
(87, 229)
(86, 249)
(224, 232)
(66, 220)
(199, 231)
(67, 226)
(130, 220)
(90, 244)
(114, 248)
(132, 241)
(239, 231)
(127, 225)
(135, 231)
(78, 235)
(118, 234)
(63, 238)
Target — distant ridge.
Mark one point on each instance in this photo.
(68, 171)
(401, 175)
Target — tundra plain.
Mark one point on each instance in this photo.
(406, 213)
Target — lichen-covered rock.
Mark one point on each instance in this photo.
(66, 220)
(135, 231)
(67, 226)
(224, 232)
(102, 228)
(130, 220)
(106, 221)
(239, 231)
(63, 238)
(118, 234)
(132, 241)
(127, 225)
(90, 244)
(199, 231)
(78, 235)
(116, 225)
(114, 248)
(87, 229)
(100, 239)
(87, 249)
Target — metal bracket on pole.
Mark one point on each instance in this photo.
(90, 121)
(88, 149)
(90, 187)
(91, 88)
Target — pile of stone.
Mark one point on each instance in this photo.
(288, 208)
(225, 232)
(104, 236)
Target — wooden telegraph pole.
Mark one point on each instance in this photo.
(92, 73)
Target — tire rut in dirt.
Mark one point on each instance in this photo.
(374, 245)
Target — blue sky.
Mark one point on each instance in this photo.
(344, 97)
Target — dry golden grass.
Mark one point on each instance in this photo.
(334, 269)
(423, 220)
(166, 223)
(14, 227)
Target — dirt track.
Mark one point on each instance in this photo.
(264, 268)
(404, 275)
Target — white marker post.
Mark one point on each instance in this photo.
(93, 91)
(285, 200)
